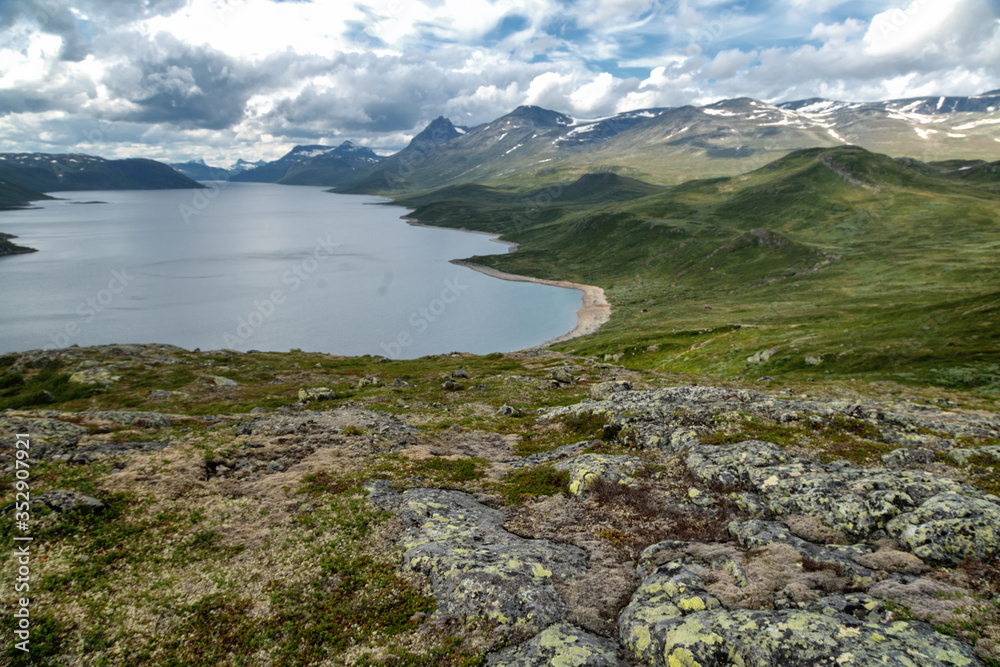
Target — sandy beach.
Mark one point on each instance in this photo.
(595, 311)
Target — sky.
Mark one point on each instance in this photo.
(224, 79)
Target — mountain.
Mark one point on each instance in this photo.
(15, 196)
(842, 261)
(199, 171)
(314, 165)
(394, 170)
(44, 172)
(667, 146)
(244, 165)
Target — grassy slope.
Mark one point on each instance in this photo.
(850, 263)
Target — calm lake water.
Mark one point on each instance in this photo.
(259, 266)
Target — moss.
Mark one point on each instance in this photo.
(543, 480)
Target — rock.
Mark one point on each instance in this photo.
(154, 420)
(963, 457)
(557, 454)
(316, 394)
(400, 383)
(904, 457)
(509, 411)
(673, 621)
(99, 375)
(563, 376)
(560, 645)
(61, 500)
(756, 534)
(49, 437)
(159, 395)
(762, 357)
(854, 500)
(949, 528)
(451, 385)
(274, 467)
(604, 390)
(476, 568)
(460, 375)
(369, 381)
(224, 381)
(655, 414)
(586, 469)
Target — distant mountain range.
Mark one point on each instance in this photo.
(662, 145)
(25, 176)
(199, 171)
(46, 172)
(314, 165)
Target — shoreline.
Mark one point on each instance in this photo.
(511, 246)
(593, 314)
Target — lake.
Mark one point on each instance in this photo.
(260, 266)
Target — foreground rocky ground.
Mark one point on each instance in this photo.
(221, 508)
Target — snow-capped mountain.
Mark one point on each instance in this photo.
(676, 144)
(314, 165)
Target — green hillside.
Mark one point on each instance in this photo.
(830, 261)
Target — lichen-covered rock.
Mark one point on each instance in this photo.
(130, 418)
(369, 381)
(857, 501)
(563, 376)
(586, 469)
(557, 454)
(316, 394)
(476, 568)
(604, 390)
(672, 621)
(905, 457)
(755, 534)
(949, 528)
(103, 375)
(221, 381)
(48, 437)
(963, 457)
(562, 645)
(656, 414)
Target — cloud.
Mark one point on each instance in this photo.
(195, 78)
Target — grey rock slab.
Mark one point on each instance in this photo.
(672, 620)
(561, 645)
(476, 568)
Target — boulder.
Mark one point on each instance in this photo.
(563, 376)
(61, 500)
(586, 469)
(604, 390)
(949, 528)
(316, 394)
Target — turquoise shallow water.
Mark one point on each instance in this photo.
(259, 266)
